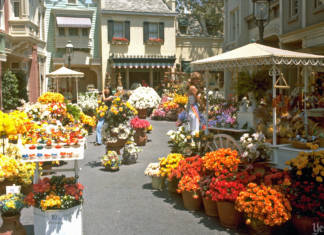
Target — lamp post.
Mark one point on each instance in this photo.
(69, 51)
(261, 13)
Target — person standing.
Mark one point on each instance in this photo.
(193, 100)
(106, 99)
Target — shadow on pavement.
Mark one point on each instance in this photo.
(93, 164)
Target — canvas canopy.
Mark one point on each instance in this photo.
(255, 54)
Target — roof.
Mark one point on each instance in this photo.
(142, 6)
(64, 72)
(257, 54)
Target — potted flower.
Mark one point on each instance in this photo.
(166, 166)
(155, 41)
(264, 207)
(306, 197)
(144, 98)
(120, 40)
(153, 170)
(171, 108)
(140, 125)
(158, 114)
(110, 161)
(130, 153)
(57, 205)
(256, 152)
(189, 171)
(116, 137)
(10, 207)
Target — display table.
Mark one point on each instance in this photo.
(236, 133)
(285, 152)
(43, 153)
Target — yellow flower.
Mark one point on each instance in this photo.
(319, 179)
(299, 172)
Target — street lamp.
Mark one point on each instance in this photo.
(261, 13)
(69, 51)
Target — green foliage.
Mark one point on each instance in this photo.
(257, 83)
(22, 84)
(74, 110)
(10, 91)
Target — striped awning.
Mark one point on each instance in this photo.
(135, 62)
(73, 22)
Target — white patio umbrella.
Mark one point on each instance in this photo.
(64, 72)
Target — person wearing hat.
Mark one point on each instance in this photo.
(193, 100)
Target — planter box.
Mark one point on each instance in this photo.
(58, 222)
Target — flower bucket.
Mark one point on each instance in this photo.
(58, 222)
(12, 225)
(228, 216)
(304, 224)
(130, 158)
(140, 137)
(116, 146)
(157, 182)
(142, 113)
(190, 203)
(210, 207)
(173, 185)
(259, 228)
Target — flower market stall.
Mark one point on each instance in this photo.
(255, 56)
(64, 72)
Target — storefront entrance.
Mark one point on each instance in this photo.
(139, 77)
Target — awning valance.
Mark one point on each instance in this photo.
(73, 22)
(122, 61)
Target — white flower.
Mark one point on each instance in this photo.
(250, 146)
(256, 136)
(245, 135)
(245, 154)
(249, 139)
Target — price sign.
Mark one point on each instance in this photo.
(13, 189)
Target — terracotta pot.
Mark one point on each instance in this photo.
(140, 137)
(304, 224)
(190, 203)
(173, 185)
(12, 225)
(142, 113)
(259, 228)
(210, 207)
(228, 216)
(158, 182)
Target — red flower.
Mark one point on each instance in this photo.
(137, 123)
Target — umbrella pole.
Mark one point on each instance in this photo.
(77, 87)
(207, 102)
(274, 72)
(57, 88)
(305, 100)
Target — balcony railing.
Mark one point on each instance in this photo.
(81, 42)
(22, 27)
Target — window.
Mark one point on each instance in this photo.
(119, 31)
(62, 32)
(234, 25)
(16, 8)
(85, 32)
(153, 31)
(72, 1)
(73, 32)
(318, 3)
(293, 8)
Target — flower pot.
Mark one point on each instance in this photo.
(304, 224)
(140, 137)
(130, 158)
(228, 216)
(157, 182)
(173, 185)
(12, 225)
(142, 113)
(191, 203)
(116, 146)
(210, 207)
(259, 228)
(55, 222)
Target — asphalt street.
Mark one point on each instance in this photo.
(123, 202)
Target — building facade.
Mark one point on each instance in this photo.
(22, 42)
(137, 40)
(76, 21)
(296, 25)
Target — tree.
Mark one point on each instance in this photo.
(209, 13)
(10, 91)
(22, 84)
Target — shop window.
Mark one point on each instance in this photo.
(293, 8)
(153, 31)
(61, 32)
(85, 32)
(119, 30)
(318, 3)
(16, 8)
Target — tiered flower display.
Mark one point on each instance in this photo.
(58, 192)
(264, 204)
(223, 115)
(144, 98)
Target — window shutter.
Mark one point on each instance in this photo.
(161, 31)
(127, 30)
(110, 30)
(146, 32)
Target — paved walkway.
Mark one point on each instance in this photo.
(124, 203)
